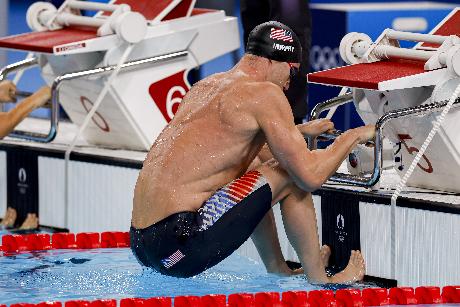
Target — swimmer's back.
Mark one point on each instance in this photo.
(195, 154)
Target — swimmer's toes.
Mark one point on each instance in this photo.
(354, 271)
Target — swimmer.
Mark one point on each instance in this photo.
(10, 119)
(231, 152)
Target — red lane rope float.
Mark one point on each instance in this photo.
(295, 299)
(315, 298)
(44, 241)
(428, 295)
(96, 303)
(349, 297)
(214, 300)
(150, 302)
(241, 299)
(321, 298)
(451, 294)
(342, 298)
(402, 296)
(375, 297)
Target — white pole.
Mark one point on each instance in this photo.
(71, 19)
(387, 52)
(402, 184)
(416, 37)
(88, 117)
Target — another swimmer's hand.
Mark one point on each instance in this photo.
(365, 133)
(7, 91)
(41, 97)
(316, 127)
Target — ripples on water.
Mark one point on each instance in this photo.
(115, 274)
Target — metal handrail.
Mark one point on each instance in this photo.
(365, 181)
(102, 70)
(38, 137)
(323, 106)
(55, 87)
(21, 65)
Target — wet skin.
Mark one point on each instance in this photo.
(209, 142)
(219, 132)
(219, 129)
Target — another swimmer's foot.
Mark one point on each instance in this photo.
(9, 219)
(325, 254)
(354, 271)
(31, 222)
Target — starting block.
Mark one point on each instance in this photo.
(391, 87)
(76, 53)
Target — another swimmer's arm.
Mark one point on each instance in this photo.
(309, 169)
(10, 119)
(7, 91)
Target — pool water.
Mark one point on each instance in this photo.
(114, 274)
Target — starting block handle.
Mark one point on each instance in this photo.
(378, 143)
(324, 106)
(362, 181)
(54, 119)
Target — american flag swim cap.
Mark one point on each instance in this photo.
(276, 41)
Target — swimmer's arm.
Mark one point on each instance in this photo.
(309, 169)
(315, 127)
(12, 118)
(312, 128)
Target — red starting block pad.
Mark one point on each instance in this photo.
(46, 41)
(391, 74)
(72, 38)
(382, 75)
(448, 26)
(160, 9)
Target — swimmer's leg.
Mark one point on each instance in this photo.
(265, 238)
(300, 223)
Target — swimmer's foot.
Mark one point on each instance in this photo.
(298, 271)
(325, 254)
(354, 271)
(31, 222)
(283, 269)
(9, 219)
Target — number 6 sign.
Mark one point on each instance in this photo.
(168, 93)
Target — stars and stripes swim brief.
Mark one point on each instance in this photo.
(185, 244)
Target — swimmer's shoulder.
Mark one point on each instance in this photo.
(265, 91)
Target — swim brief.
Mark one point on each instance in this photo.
(187, 243)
